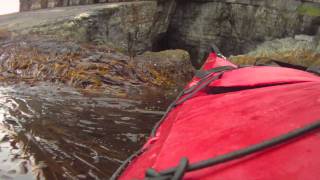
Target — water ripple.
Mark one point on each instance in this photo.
(56, 133)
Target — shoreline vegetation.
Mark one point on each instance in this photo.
(91, 67)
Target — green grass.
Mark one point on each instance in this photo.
(309, 10)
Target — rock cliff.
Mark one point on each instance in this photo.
(237, 26)
(130, 27)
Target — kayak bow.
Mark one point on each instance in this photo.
(256, 122)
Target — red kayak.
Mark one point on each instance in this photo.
(256, 122)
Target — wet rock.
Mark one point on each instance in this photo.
(170, 67)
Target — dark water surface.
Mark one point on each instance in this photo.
(51, 132)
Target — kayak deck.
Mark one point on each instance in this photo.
(241, 108)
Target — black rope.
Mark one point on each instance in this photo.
(199, 87)
(181, 169)
(214, 48)
(168, 174)
(191, 91)
(203, 73)
(117, 173)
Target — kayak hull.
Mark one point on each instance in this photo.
(243, 107)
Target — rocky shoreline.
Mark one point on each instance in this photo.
(108, 46)
(125, 59)
(102, 48)
(91, 67)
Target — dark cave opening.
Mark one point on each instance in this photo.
(161, 42)
(165, 42)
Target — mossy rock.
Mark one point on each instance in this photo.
(309, 10)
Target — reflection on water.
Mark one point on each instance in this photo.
(50, 132)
